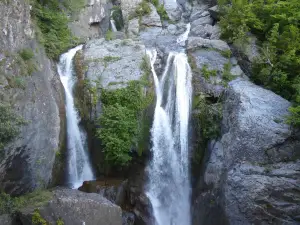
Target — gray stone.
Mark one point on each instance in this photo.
(203, 31)
(153, 19)
(27, 162)
(249, 116)
(215, 32)
(236, 71)
(198, 11)
(133, 28)
(173, 10)
(202, 21)
(75, 208)
(128, 8)
(198, 42)
(117, 72)
(214, 12)
(214, 61)
(6, 219)
(271, 193)
(86, 24)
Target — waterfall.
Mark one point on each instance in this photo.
(79, 168)
(112, 22)
(169, 184)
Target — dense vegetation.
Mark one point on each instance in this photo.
(276, 25)
(52, 21)
(119, 121)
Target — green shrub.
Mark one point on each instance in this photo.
(53, 24)
(119, 121)
(275, 23)
(162, 12)
(143, 8)
(26, 54)
(206, 73)
(9, 124)
(109, 35)
(37, 219)
(227, 76)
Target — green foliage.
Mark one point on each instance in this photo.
(35, 199)
(294, 119)
(276, 25)
(37, 219)
(119, 121)
(9, 124)
(26, 54)
(53, 24)
(7, 205)
(118, 17)
(162, 12)
(227, 76)
(60, 222)
(142, 9)
(109, 35)
(206, 73)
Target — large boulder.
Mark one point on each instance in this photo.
(72, 207)
(198, 42)
(86, 24)
(251, 175)
(113, 63)
(27, 162)
(153, 19)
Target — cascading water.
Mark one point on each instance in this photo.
(169, 184)
(79, 168)
(112, 22)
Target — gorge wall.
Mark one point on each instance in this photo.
(244, 158)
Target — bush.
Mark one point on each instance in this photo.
(9, 124)
(206, 73)
(53, 24)
(143, 9)
(276, 25)
(119, 121)
(162, 12)
(26, 54)
(109, 35)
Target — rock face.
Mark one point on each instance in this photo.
(114, 63)
(73, 207)
(92, 21)
(27, 162)
(128, 8)
(198, 42)
(251, 175)
(153, 19)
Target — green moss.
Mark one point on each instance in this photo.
(226, 53)
(109, 35)
(10, 124)
(206, 73)
(37, 219)
(143, 8)
(26, 54)
(162, 12)
(227, 76)
(52, 21)
(60, 222)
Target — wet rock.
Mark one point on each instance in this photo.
(128, 218)
(198, 42)
(214, 12)
(74, 208)
(236, 71)
(173, 10)
(153, 19)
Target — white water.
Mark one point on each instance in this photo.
(183, 37)
(79, 168)
(112, 22)
(169, 184)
